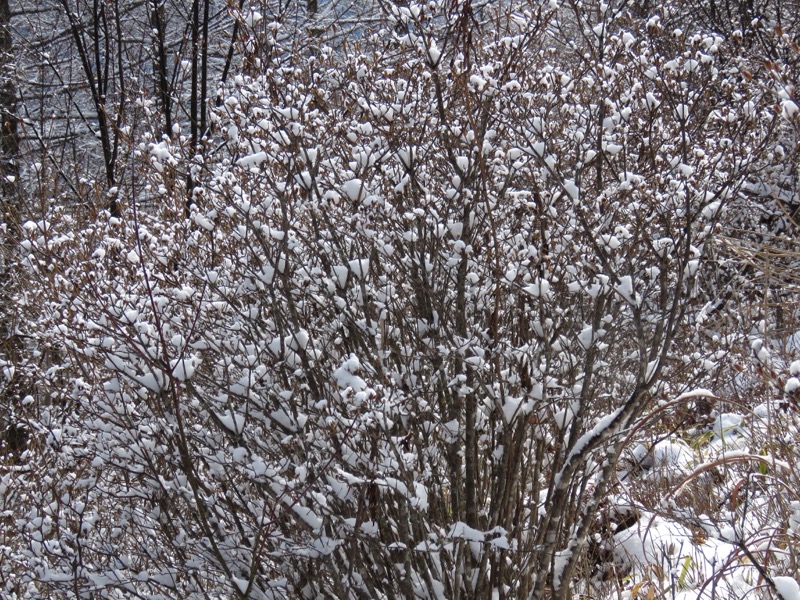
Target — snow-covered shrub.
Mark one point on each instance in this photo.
(422, 291)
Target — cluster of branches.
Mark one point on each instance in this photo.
(423, 291)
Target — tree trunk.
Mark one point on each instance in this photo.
(9, 141)
(13, 436)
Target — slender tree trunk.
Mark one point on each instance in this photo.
(204, 67)
(94, 53)
(164, 87)
(194, 93)
(199, 92)
(9, 140)
(14, 436)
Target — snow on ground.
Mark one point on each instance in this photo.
(684, 555)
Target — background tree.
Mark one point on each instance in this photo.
(14, 432)
(94, 76)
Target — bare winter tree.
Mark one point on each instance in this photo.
(94, 76)
(9, 136)
(13, 432)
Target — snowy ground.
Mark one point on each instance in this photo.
(709, 514)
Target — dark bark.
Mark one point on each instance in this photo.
(14, 435)
(93, 54)
(9, 138)
(199, 86)
(164, 87)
